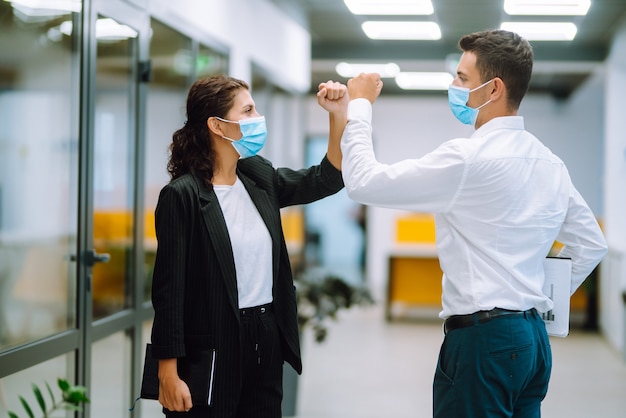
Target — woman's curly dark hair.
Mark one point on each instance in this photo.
(191, 148)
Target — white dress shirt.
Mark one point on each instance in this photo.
(500, 199)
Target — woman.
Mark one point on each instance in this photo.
(225, 307)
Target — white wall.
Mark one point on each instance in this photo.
(253, 31)
(613, 271)
(412, 126)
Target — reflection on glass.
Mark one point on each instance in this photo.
(174, 66)
(110, 377)
(113, 168)
(170, 54)
(38, 172)
(20, 384)
(209, 62)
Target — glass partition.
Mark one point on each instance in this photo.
(110, 377)
(175, 65)
(171, 55)
(39, 105)
(114, 165)
(41, 375)
(210, 62)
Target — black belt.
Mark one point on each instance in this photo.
(257, 310)
(462, 321)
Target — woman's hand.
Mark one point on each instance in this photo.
(174, 393)
(333, 97)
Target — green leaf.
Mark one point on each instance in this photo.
(12, 415)
(40, 400)
(27, 407)
(64, 385)
(75, 395)
(51, 393)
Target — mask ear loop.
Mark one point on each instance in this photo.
(481, 86)
(221, 134)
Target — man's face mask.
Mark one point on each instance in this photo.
(254, 135)
(457, 99)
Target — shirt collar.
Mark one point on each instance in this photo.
(502, 122)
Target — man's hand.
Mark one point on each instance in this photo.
(366, 86)
(333, 97)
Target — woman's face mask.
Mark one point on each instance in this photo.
(254, 135)
(457, 99)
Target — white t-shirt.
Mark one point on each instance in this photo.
(251, 244)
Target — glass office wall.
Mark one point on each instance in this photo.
(176, 62)
(41, 375)
(114, 165)
(39, 102)
(88, 106)
(110, 377)
(171, 57)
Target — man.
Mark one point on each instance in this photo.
(500, 199)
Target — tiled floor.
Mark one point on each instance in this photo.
(370, 368)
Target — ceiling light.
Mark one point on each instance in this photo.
(547, 7)
(390, 7)
(46, 7)
(106, 29)
(424, 81)
(402, 30)
(348, 70)
(542, 31)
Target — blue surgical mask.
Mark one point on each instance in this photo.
(254, 135)
(457, 99)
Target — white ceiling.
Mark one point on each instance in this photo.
(560, 67)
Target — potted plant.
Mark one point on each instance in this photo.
(71, 399)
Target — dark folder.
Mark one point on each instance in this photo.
(196, 369)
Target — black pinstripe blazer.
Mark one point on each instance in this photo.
(194, 287)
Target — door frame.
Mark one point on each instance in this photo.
(127, 320)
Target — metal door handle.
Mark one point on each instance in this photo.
(91, 257)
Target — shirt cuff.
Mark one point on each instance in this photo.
(360, 109)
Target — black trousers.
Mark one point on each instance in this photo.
(262, 368)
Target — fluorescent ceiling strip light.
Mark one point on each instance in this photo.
(547, 7)
(401, 30)
(46, 7)
(106, 29)
(390, 7)
(424, 80)
(542, 31)
(348, 70)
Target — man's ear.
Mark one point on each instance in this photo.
(498, 90)
(214, 126)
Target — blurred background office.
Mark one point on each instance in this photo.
(91, 92)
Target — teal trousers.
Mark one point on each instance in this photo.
(495, 369)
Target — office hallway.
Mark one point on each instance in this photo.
(368, 368)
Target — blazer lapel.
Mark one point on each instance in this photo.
(218, 234)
